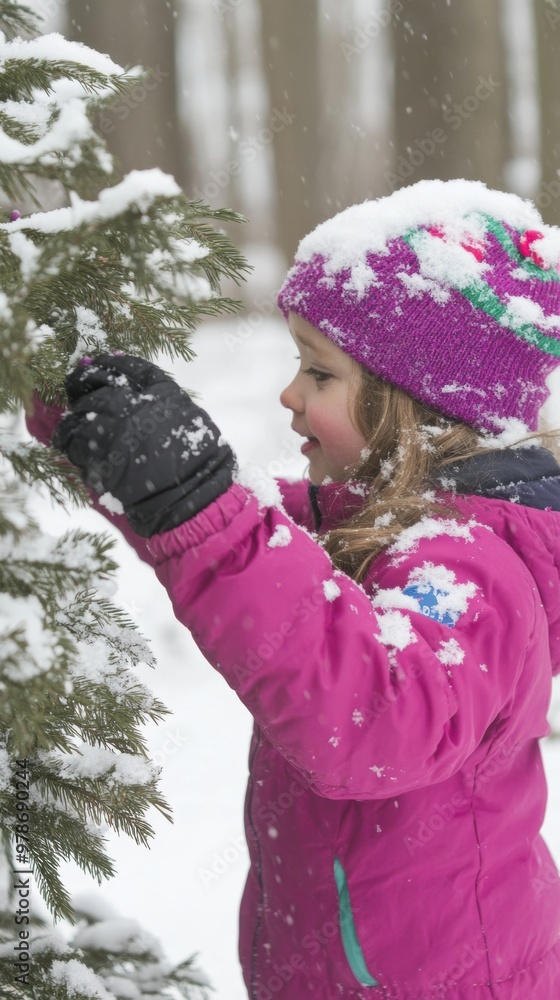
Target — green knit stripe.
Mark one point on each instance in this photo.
(481, 296)
(352, 946)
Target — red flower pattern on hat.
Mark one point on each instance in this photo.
(526, 241)
(476, 249)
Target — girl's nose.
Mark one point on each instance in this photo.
(290, 398)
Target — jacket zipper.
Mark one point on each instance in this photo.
(259, 867)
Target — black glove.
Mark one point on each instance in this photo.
(134, 433)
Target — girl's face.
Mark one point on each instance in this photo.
(321, 398)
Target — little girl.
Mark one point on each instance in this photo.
(394, 623)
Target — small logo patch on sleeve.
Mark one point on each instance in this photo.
(429, 603)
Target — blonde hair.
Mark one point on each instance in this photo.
(407, 448)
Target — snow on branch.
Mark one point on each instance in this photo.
(54, 47)
(139, 189)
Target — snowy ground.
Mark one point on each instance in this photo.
(187, 888)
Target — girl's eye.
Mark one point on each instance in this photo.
(317, 375)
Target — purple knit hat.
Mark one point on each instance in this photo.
(448, 290)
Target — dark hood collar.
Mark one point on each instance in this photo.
(333, 503)
(528, 476)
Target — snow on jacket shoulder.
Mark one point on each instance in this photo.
(316, 661)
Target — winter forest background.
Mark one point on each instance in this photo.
(285, 112)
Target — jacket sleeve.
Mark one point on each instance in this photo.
(365, 701)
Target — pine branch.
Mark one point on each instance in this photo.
(59, 836)
(22, 131)
(25, 705)
(90, 616)
(103, 800)
(22, 77)
(15, 18)
(51, 570)
(34, 464)
(15, 519)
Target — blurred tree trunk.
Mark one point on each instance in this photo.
(234, 59)
(142, 128)
(450, 91)
(340, 100)
(290, 44)
(547, 18)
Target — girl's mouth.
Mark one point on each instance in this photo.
(308, 445)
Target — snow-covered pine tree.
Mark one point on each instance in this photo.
(123, 266)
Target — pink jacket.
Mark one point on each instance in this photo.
(396, 787)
